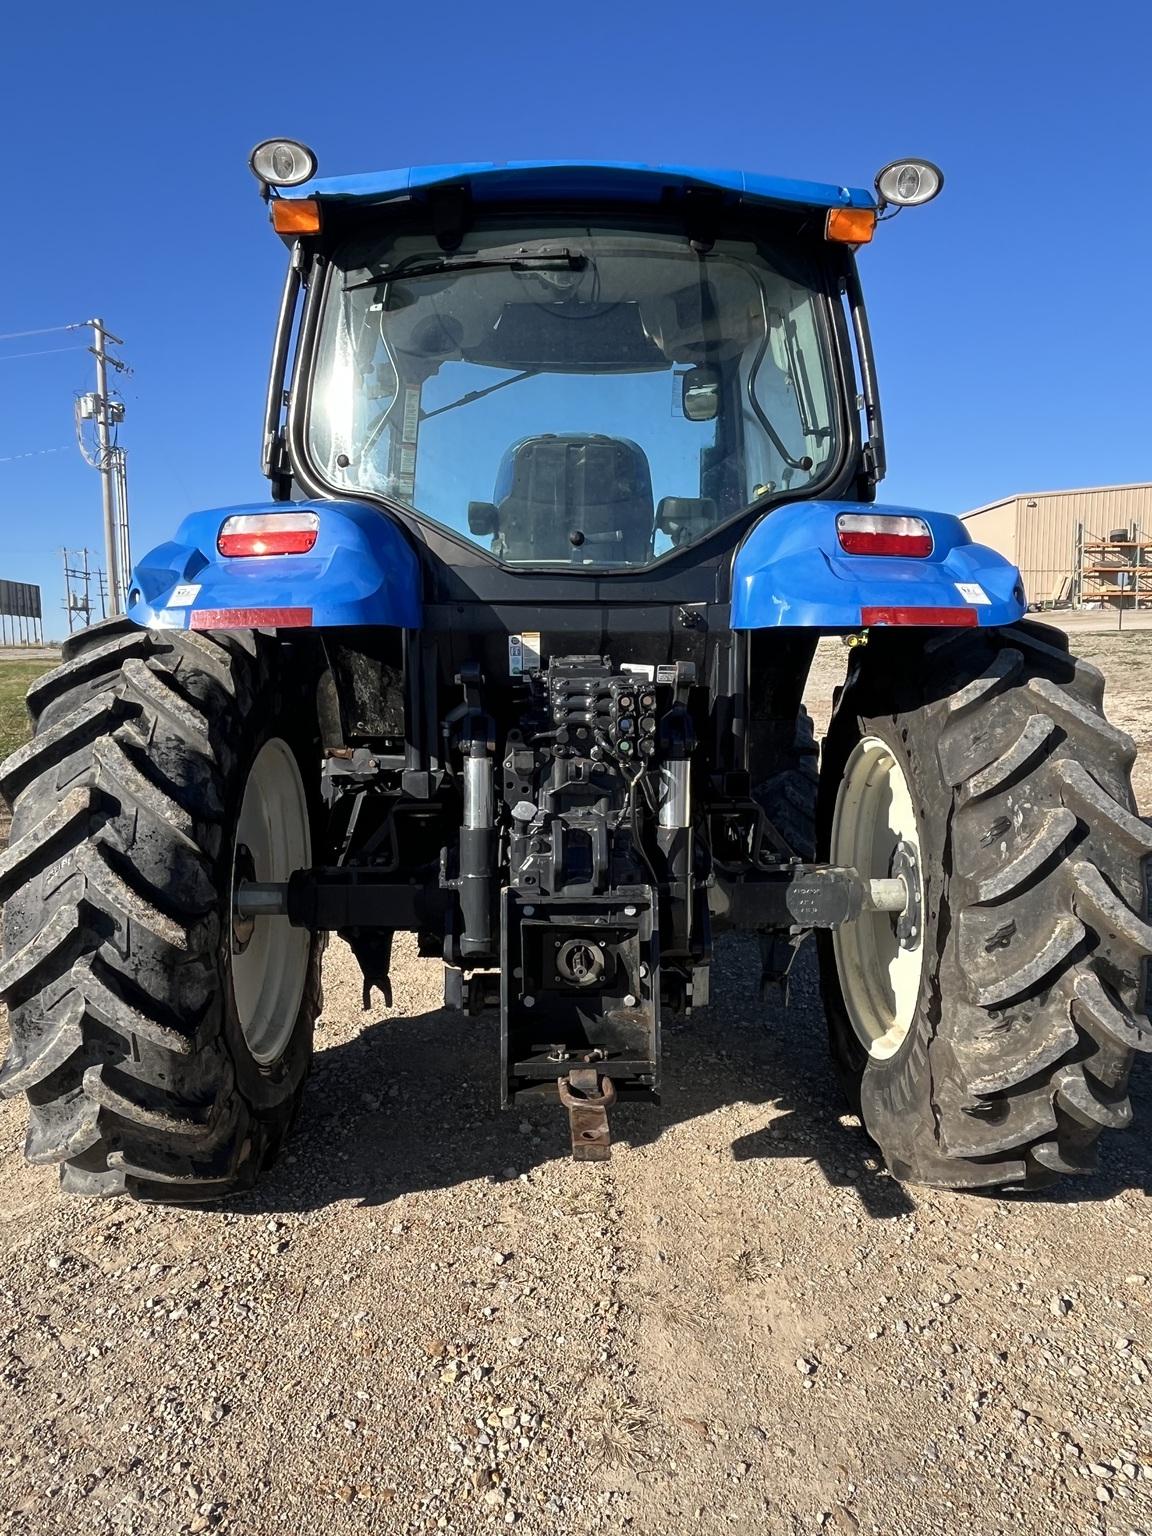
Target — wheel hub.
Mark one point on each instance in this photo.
(243, 923)
(906, 867)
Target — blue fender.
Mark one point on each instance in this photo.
(361, 570)
(791, 571)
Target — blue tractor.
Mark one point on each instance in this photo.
(570, 468)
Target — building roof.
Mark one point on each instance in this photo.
(1074, 490)
(540, 179)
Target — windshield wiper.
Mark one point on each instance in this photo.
(377, 426)
(526, 261)
(479, 394)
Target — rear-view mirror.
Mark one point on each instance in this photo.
(700, 393)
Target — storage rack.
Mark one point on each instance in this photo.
(1115, 570)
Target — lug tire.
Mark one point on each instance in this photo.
(117, 925)
(1032, 997)
(789, 795)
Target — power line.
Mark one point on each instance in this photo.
(44, 330)
(14, 357)
(107, 456)
(34, 453)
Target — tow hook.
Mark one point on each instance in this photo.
(588, 1097)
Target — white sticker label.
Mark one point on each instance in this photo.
(972, 592)
(523, 654)
(183, 597)
(639, 669)
(411, 427)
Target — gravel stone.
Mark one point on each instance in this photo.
(428, 1318)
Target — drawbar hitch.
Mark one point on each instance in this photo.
(588, 1097)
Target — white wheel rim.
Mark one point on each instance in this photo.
(270, 969)
(879, 976)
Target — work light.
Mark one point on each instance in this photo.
(282, 163)
(907, 183)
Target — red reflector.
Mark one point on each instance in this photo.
(268, 533)
(266, 543)
(252, 618)
(918, 544)
(873, 618)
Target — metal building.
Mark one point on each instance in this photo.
(1087, 548)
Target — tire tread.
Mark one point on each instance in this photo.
(111, 921)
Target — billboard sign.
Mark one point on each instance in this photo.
(20, 600)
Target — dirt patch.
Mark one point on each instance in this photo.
(429, 1319)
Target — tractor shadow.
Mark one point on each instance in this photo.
(411, 1103)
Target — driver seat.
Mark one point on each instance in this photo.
(579, 499)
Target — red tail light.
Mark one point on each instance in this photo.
(880, 533)
(268, 533)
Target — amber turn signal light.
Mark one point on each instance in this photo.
(851, 226)
(295, 215)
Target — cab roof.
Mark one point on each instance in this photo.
(542, 180)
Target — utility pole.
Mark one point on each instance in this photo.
(123, 532)
(109, 460)
(104, 463)
(78, 576)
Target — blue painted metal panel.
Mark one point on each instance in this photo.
(543, 179)
(790, 571)
(361, 570)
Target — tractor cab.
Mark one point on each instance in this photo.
(543, 385)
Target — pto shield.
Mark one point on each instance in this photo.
(792, 572)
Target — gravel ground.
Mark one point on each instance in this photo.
(428, 1318)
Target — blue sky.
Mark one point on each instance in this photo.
(1011, 317)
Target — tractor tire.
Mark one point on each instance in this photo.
(120, 965)
(1009, 1053)
(788, 796)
